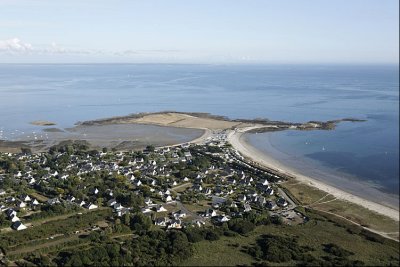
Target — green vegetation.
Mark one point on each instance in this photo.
(319, 242)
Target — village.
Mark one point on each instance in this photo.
(176, 186)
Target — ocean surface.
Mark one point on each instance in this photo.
(365, 151)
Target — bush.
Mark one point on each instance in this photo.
(336, 250)
(241, 226)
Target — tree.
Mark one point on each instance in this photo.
(241, 226)
(150, 148)
(140, 222)
(126, 219)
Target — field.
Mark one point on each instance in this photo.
(316, 233)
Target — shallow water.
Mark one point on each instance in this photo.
(369, 150)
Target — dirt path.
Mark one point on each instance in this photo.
(180, 186)
(384, 234)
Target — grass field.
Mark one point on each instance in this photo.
(229, 251)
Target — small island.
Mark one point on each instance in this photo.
(42, 123)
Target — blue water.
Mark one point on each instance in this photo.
(369, 150)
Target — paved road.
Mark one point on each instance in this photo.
(291, 205)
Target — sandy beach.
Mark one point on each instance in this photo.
(235, 138)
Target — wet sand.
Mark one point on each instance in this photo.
(119, 136)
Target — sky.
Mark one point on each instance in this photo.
(202, 31)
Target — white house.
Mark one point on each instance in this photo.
(246, 207)
(18, 226)
(21, 204)
(160, 208)
(168, 198)
(14, 218)
(111, 202)
(179, 214)
(25, 198)
(118, 206)
(148, 201)
(210, 213)
(90, 206)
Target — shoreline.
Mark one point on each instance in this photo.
(235, 129)
(235, 138)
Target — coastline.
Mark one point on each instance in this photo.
(235, 138)
(210, 125)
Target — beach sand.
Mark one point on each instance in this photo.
(236, 140)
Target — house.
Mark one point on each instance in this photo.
(167, 198)
(53, 201)
(179, 214)
(188, 156)
(18, 226)
(222, 218)
(242, 198)
(122, 211)
(137, 183)
(264, 182)
(271, 205)
(35, 202)
(81, 203)
(14, 218)
(175, 223)
(160, 208)
(70, 198)
(198, 223)
(111, 202)
(282, 202)
(145, 210)
(10, 199)
(90, 206)
(246, 207)
(21, 204)
(109, 192)
(210, 213)
(207, 191)
(231, 181)
(2, 192)
(269, 191)
(261, 201)
(197, 187)
(118, 206)
(10, 213)
(161, 221)
(25, 198)
(148, 201)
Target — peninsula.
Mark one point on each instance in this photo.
(213, 190)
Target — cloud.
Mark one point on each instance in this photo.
(16, 48)
(15, 45)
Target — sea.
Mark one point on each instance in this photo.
(365, 152)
